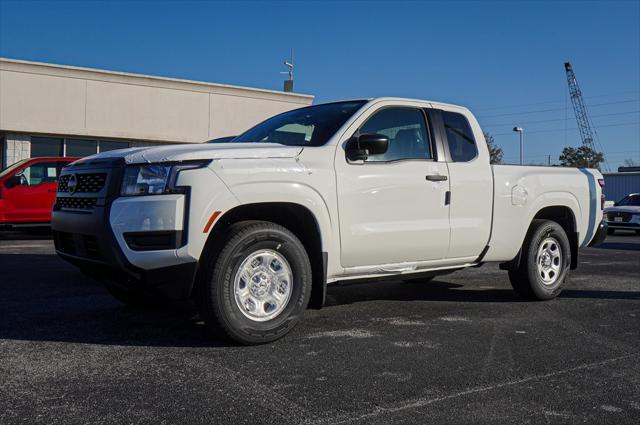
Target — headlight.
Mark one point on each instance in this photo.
(155, 179)
(145, 179)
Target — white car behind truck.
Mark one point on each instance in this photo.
(254, 229)
(624, 214)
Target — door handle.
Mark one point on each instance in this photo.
(436, 178)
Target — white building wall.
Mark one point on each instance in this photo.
(137, 144)
(80, 102)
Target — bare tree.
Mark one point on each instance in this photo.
(495, 151)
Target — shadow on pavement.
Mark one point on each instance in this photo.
(444, 291)
(26, 234)
(626, 246)
(602, 295)
(44, 299)
(436, 290)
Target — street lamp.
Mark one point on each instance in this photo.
(521, 131)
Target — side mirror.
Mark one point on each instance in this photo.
(359, 148)
(12, 181)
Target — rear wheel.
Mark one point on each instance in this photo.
(544, 262)
(257, 288)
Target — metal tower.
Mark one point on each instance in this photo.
(579, 108)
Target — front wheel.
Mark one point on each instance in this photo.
(257, 288)
(545, 261)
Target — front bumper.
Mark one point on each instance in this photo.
(85, 237)
(600, 235)
(622, 219)
(623, 225)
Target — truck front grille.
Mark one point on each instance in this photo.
(91, 246)
(626, 217)
(73, 203)
(85, 246)
(86, 183)
(64, 242)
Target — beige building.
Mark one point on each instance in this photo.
(53, 110)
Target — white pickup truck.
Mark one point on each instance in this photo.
(254, 229)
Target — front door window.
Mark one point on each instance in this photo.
(33, 175)
(407, 133)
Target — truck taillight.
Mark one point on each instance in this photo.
(601, 183)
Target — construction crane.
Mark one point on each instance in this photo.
(580, 109)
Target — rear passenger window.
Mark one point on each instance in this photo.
(462, 145)
(406, 130)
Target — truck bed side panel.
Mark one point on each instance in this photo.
(522, 192)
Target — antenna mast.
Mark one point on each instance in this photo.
(288, 84)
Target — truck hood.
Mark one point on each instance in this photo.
(185, 152)
(623, 209)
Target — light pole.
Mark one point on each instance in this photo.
(521, 131)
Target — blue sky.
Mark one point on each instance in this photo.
(504, 60)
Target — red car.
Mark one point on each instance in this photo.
(28, 190)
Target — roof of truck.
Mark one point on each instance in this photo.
(399, 99)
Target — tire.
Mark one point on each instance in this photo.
(544, 262)
(136, 299)
(257, 288)
(611, 231)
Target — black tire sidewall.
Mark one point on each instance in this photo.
(539, 289)
(240, 327)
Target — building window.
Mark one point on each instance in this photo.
(58, 147)
(81, 147)
(3, 152)
(46, 146)
(107, 145)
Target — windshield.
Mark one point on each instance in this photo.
(12, 167)
(630, 201)
(310, 126)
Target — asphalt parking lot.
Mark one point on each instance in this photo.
(462, 349)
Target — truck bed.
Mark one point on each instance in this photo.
(522, 192)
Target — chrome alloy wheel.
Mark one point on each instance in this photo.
(262, 285)
(549, 261)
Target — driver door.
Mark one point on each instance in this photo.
(392, 207)
(31, 200)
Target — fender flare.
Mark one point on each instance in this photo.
(549, 200)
